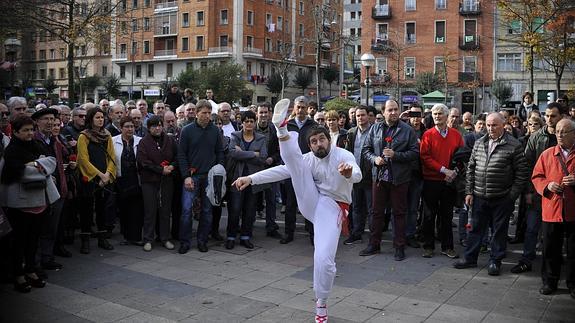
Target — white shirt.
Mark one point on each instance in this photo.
(228, 129)
(328, 180)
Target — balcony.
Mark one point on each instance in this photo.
(468, 76)
(469, 42)
(469, 8)
(382, 11)
(324, 62)
(410, 39)
(252, 52)
(122, 56)
(165, 53)
(222, 51)
(381, 44)
(166, 6)
(166, 29)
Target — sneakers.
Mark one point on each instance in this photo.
(169, 245)
(280, 117)
(148, 246)
(427, 253)
(450, 253)
(321, 313)
(521, 267)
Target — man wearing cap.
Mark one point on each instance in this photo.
(44, 120)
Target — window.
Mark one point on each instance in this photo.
(138, 71)
(250, 18)
(269, 47)
(514, 27)
(301, 54)
(185, 44)
(381, 65)
(169, 69)
(42, 54)
(147, 3)
(287, 26)
(83, 50)
(104, 70)
(410, 68)
(134, 47)
(440, 31)
(62, 52)
(262, 69)
(301, 30)
(185, 19)
(438, 65)
(203, 64)
(353, 15)
(301, 8)
(249, 41)
(52, 54)
(359, 32)
(224, 41)
(122, 71)
(410, 32)
(199, 43)
(134, 24)
(469, 64)
(62, 73)
(146, 24)
(199, 18)
(51, 73)
(269, 20)
(381, 32)
(410, 5)
(440, 4)
(248, 69)
(150, 70)
(123, 50)
(224, 17)
(279, 46)
(280, 23)
(42, 74)
(509, 62)
(123, 27)
(146, 46)
(134, 3)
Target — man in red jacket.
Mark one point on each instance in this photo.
(554, 179)
(438, 145)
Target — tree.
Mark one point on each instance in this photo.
(427, 82)
(330, 74)
(525, 21)
(189, 78)
(113, 86)
(276, 83)
(303, 79)
(502, 90)
(71, 21)
(50, 85)
(88, 84)
(339, 104)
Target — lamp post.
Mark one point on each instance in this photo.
(367, 60)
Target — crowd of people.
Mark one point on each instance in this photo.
(81, 173)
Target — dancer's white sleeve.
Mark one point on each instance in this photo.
(270, 175)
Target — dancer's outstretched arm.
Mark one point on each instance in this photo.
(270, 175)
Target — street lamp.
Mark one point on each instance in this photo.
(367, 60)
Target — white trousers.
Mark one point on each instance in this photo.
(321, 210)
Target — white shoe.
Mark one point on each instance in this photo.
(280, 117)
(147, 246)
(168, 245)
(321, 314)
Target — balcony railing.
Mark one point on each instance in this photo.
(469, 8)
(382, 11)
(410, 39)
(167, 30)
(468, 76)
(253, 51)
(122, 56)
(165, 52)
(222, 50)
(469, 42)
(381, 44)
(166, 5)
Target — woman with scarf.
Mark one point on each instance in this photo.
(27, 192)
(156, 158)
(527, 106)
(97, 171)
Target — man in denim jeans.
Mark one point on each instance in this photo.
(199, 150)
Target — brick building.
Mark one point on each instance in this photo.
(409, 37)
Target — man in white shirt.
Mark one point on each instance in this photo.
(225, 112)
(323, 180)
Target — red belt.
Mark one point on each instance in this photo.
(343, 219)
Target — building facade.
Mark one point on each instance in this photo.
(155, 40)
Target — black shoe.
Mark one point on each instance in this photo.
(399, 254)
(370, 250)
(287, 239)
(230, 244)
(548, 289)
(36, 282)
(494, 269)
(521, 267)
(23, 287)
(138, 243)
(202, 247)
(184, 248)
(413, 243)
(61, 251)
(216, 236)
(247, 243)
(104, 244)
(51, 265)
(463, 264)
(275, 234)
(352, 239)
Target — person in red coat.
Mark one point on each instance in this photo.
(554, 179)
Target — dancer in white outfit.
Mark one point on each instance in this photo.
(322, 181)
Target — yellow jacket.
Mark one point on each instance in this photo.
(89, 171)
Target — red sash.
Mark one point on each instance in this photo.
(343, 219)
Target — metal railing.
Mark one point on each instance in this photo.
(165, 52)
(166, 5)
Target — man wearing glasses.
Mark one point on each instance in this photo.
(72, 131)
(228, 125)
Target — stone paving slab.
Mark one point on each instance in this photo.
(273, 283)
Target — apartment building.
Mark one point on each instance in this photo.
(352, 18)
(452, 37)
(155, 40)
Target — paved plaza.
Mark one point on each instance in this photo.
(273, 283)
